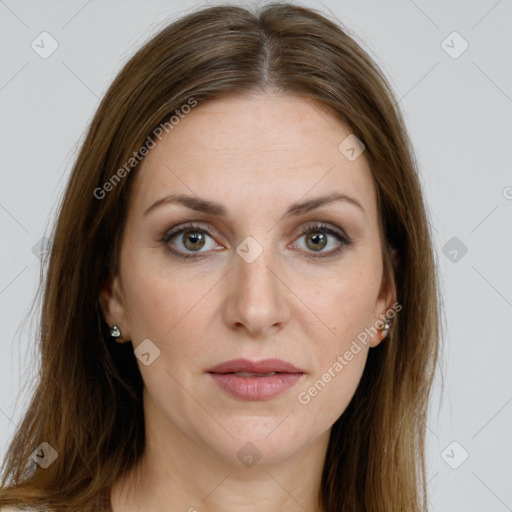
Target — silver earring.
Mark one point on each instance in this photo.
(115, 332)
(385, 328)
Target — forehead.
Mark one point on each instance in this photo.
(267, 150)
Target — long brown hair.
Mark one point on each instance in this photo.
(87, 404)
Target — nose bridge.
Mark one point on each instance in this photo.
(257, 296)
(253, 275)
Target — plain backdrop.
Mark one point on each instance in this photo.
(450, 66)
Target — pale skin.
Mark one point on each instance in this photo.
(255, 156)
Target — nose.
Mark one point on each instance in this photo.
(257, 296)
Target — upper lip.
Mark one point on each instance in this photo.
(263, 366)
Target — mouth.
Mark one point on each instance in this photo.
(246, 368)
(248, 374)
(250, 380)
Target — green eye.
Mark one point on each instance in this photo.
(195, 238)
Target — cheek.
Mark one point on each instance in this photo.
(345, 308)
(328, 392)
(164, 303)
(341, 355)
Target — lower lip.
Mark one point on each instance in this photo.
(256, 388)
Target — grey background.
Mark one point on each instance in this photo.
(459, 115)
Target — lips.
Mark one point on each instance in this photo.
(251, 380)
(255, 367)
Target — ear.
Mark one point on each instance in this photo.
(387, 296)
(112, 305)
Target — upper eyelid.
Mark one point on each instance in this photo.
(207, 227)
(319, 225)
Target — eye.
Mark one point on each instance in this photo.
(317, 238)
(194, 238)
(191, 238)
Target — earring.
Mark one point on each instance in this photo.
(115, 332)
(385, 328)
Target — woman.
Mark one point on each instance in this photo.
(241, 305)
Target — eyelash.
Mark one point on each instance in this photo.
(310, 228)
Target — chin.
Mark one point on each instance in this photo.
(254, 443)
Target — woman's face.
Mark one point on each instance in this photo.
(256, 276)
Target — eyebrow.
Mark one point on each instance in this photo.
(213, 208)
